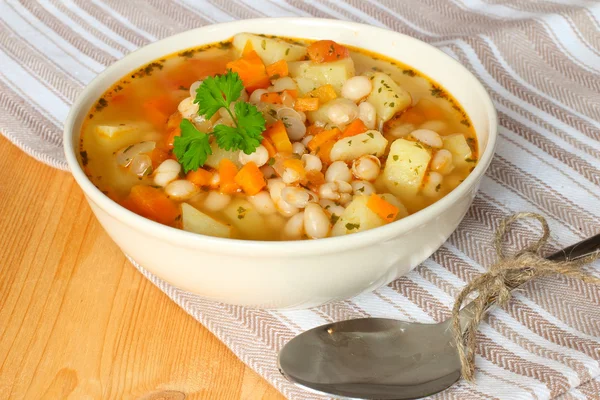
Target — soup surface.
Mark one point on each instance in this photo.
(269, 138)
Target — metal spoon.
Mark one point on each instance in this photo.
(379, 358)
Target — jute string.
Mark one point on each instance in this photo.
(494, 287)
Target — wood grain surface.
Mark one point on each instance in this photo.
(77, 321)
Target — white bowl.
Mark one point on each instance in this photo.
(297, 274)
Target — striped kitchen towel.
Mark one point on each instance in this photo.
(539, 60)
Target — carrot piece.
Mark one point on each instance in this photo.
(296, 165)
(158, 155)
(269, 146)
(306, 104)
(250, 179)
(158, 109)
(278, 135)
(278, 69)
(327, 50)
(355, 127)
(315, 179)
(247, 48)
(379, 206)
(322, 137)
(173, 129)
(251, 70)
(412, 116)
(271, 97)
(152, 203)
(291, 92)
(324, 151)
(227, 173)
(313, 130)
(199, 177)
(324, 93)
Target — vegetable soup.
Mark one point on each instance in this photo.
(269, 138)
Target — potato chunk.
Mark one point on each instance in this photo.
(269, 50)
(218, 154)
(405, 167)
(357, 217)
(310, 75)
(196, 221)
(111, 131)
(387, 97)
(350, 148)
(460, 149)
(244, 217)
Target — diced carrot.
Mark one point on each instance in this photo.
(247, 48)
(291, 92)
(306, 104)
(227, 173)
(313, 130)
(200, 177)
(324, 151)
(250, 179)
(324, 93)
(325, 136)
(355, 127)
(278, 69)
(384, 209)
(412, 116)
(278, 135)
(173, 129)
(271, 97)
(315, 179)
(158, 155)
(327, 50)
(251, 70)
(296, 165)
(152, 203)
(269, 146)
(158, 109)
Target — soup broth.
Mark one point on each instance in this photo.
(344, 140)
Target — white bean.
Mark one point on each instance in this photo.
(311, 163)
(316, 222)
(181, 189)
(342, 112)
(298, 148)
(436, 126)
(331, 207)
(366, 167)
(215, 180)
(295, 196)
(329, 191)
(356, 88)
(306, 140)
(343, 187)
(286, 209)
(255, 96)
(294, 228)
(275, 187)
(294, 127)
(166, 172)
(400, 131)
(287, 99)
(368, 114)
(432, 185)
(244, 95)
(216, 201)
(362, 188)
(338, 171)
(442, 162)
(281, 84)
(187, 108)
(141, 165)
(428, 137)
(263, 203)
(290, 176)
(345, 199)
(259, 157)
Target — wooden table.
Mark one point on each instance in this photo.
(77, 321)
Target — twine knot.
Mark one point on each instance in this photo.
(495, 286)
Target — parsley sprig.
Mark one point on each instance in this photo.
(192, 148)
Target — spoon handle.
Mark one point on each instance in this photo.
(578, 250)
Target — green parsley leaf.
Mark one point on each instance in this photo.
(218, 91)
(247, 135)
(192, 147)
